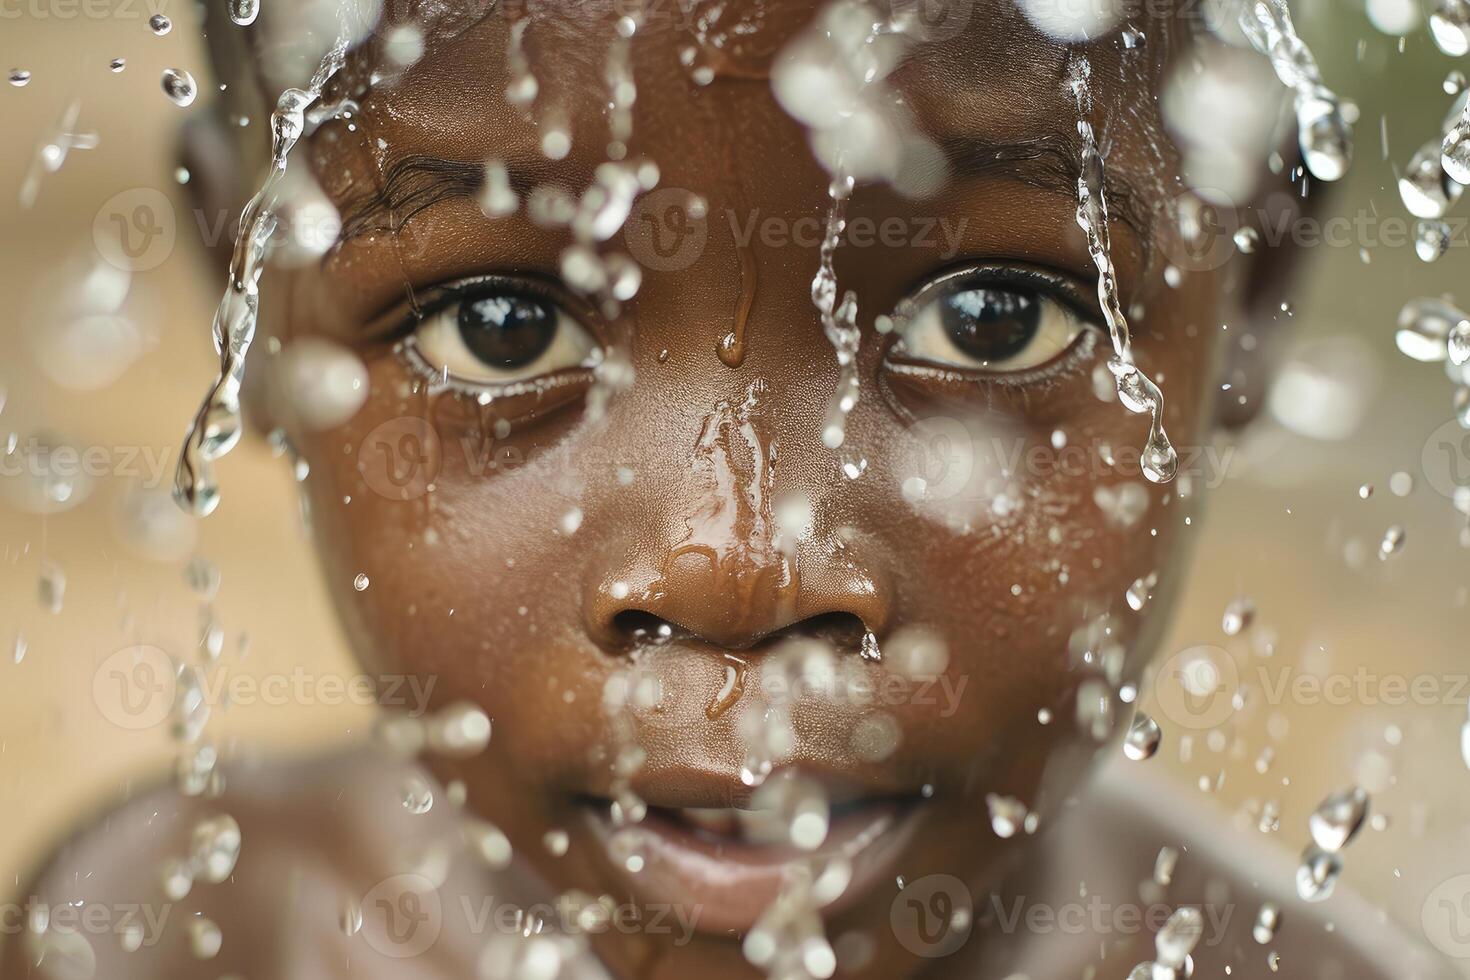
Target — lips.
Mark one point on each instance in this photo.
(721, 866)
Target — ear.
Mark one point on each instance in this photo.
(1257, 310)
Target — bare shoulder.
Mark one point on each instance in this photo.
(152, 888)
(1135, 846)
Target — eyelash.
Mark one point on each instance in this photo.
(1052, 285)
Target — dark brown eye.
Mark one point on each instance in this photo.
(499, 335)
(990, 324)
(995, 327)
(507, 332)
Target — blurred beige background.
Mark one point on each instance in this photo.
(1288, 530)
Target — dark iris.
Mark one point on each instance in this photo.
(507, 331)
(990, 324)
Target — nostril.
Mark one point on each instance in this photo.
(639, 626)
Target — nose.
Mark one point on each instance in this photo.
(740, 600)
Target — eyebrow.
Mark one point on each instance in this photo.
(416, 183)
(1050, 162)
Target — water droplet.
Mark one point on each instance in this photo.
(179, 86)
(52, 587)
(160, 24)
(1176, 940)
(417, 795)
(1143, 738)
(116, 65)
(1449, 24)
(1431, 239)
(1268, 920)
(1317, 875)
(1392, 543)
(1426, 190)
(1007, 814)
(1338, 818)
(556, 842)
(216, 847)
(1238, 616)
(1246, 239)
(360, 583)
(244, 12)
(461, 730)
(19, 77)
(1401, 484)
(205, 938)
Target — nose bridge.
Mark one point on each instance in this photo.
(732, 555)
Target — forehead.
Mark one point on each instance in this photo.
(434, 74)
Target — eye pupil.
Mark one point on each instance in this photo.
(507, 331)
(990, 324)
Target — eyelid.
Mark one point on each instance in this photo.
(395, 324)
(1058, 286)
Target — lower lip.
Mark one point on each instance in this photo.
(723, 885)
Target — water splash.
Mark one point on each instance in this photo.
(1138, 394)
(1324, 129)
(216, 428)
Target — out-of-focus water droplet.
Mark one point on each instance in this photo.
(244, 12)
(1392, 543)
(179, 86)
(1427, 191)
(205, 938)
(1338, 818)
(19, 77)
(1178, 936)
(417, 796)
(52, 587)
(1246, 239)
(1143, 738)
(490, 843)
(216, 847)
(1454, 82)
(1431, 239)
(1449, 24)
(1238, 615)
(1365, 491)
(1141, 591)
(21, 645)
(1317, 875)
(1268, 920)
(461, 730)
(1007, 814)
(360, 583)
(1424, 328)
(1401, 484)
(556, 842)
(177, 879)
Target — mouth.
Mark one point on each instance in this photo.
(721, 867)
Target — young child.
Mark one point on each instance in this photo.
(801, 625)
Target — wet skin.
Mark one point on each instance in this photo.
(478, 582)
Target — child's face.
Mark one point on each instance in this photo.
(522, 553)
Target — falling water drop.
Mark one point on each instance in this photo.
(1178, 936)
(1431, 239)
(1323, 128)
(1143, 738)
(244, 12)
(160, 25)
(360, 583)
(19, 77)
(1392, 543)
(205, 938)
(1317, 875)
(1338, 818)
(1450, 26)
(1239, 613)
(179, 86)
(1007, 814)
(1268, 920)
